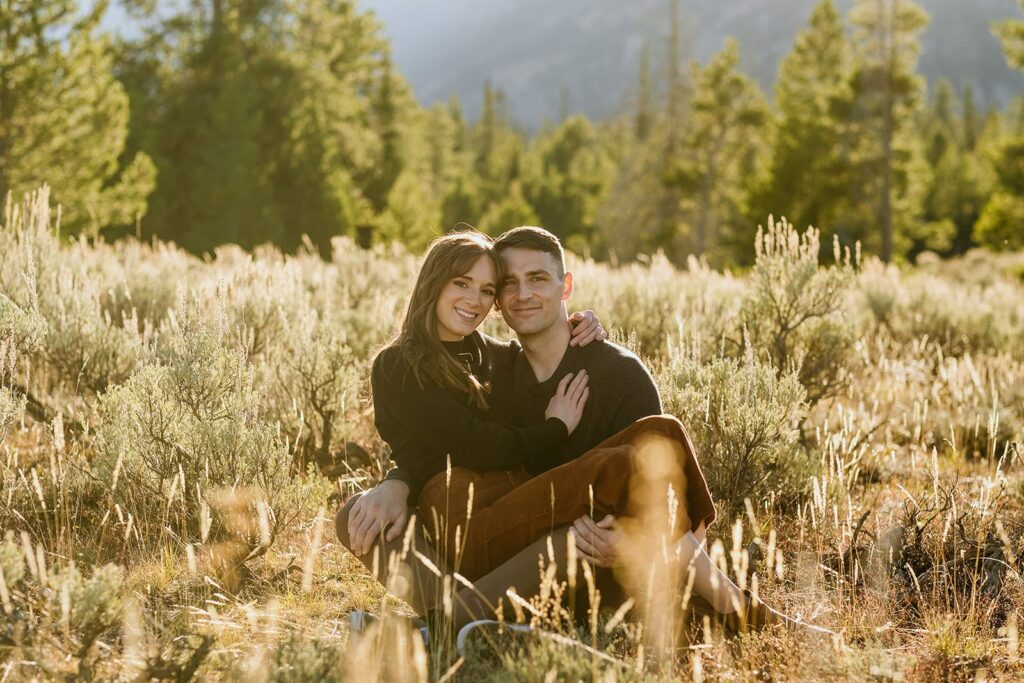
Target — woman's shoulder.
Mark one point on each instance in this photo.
(388, 365)
(498, 348)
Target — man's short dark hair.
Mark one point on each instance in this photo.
(532, 237)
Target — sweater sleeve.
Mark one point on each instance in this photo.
(444, 424)
(640, 396)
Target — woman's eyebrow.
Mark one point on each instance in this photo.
(470, 278)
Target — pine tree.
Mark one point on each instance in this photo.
(384, 110)
(645, 97)
(971, 121)
(729, 116)
(64, 118)
(565, 176)
(956, 184)
(511, 211)
(267, 119)
(677, 91)
(497, 148)
(808, 175)
(999, 226)
(1011, 33)
(888, 90)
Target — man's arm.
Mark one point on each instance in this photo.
(639, 398)
(638, 393)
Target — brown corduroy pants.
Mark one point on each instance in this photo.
(647, 475)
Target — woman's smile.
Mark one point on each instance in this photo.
(465, 300)
(466, 314)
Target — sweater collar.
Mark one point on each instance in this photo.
(524, 377)
(468, 351)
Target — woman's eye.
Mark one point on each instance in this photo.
(460, 283)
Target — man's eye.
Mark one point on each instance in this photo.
(488, 292)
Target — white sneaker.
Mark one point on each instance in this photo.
(486, 628)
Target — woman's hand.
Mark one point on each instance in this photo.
(585, 328)
(382, 506)
(569, 399)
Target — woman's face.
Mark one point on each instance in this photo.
(466, 300)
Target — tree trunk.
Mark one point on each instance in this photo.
(887, 27)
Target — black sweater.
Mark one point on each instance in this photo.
(425, 425)
(621, 392)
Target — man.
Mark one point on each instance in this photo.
(532, 298)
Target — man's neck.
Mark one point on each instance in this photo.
(544, 350)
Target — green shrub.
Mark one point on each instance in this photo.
(20, 333)
(960, 318)
(54, 617)
(296, 658)
(84, 343)
(12, 563)
(188, 425)
(745, 421)
(86, 606)
(315, 392)
(794, 311)
(655, 304)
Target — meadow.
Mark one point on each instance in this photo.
(176, 433)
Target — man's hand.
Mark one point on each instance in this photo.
(382, 507)
(597, 542)
(586, 328)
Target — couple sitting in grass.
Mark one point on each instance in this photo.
(551, 447)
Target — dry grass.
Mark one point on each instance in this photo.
(166, 421)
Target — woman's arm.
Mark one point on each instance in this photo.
(444, 424)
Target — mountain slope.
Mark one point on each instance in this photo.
(532, 48)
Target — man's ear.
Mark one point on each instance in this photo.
(566, 286)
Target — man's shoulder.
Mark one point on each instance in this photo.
(609, 358)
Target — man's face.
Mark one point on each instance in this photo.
(532, 291)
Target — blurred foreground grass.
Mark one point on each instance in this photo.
(176, 434)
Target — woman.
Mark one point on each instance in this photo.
(432, 387)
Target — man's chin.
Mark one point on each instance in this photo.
(527, 329)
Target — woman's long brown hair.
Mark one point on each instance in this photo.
(418, 343)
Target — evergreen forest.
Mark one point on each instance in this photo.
(284, 121)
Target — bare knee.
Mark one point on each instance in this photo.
(341, 520)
